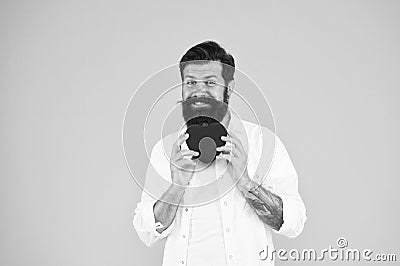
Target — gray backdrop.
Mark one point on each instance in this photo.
(68, 68)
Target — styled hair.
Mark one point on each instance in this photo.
(210, 51)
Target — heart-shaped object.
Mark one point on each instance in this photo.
(204, 137)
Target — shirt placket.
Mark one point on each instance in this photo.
(185, 230)
(227, 218)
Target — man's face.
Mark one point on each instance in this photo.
(203, 80)
(203, 91)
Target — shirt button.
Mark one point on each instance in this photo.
(227, 229)
(182, 262)
(225, 203)
(183, 236)
(186, 209)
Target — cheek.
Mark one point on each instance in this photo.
(185, 94)
(219, 94)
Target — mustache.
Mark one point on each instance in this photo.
(191, 98)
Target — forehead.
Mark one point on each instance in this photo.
(199, 70)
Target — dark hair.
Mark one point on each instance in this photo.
(210, 51)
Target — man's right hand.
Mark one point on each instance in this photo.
(182, 168)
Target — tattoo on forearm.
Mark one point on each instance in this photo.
(268, 206)
(165, 209)
(164, 213)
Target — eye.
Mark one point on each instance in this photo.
(210, 83)
(191, 82)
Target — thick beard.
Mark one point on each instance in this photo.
(215, 110)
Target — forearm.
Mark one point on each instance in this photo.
(166, 207)
(267, 205)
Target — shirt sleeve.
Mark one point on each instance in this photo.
(157, 181)
(282, 180)
(145, 224)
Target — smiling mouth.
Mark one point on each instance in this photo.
(200, 104)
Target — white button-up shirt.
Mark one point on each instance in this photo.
(245, 236)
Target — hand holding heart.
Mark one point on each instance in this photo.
(234, 152)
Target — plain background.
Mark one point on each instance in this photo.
(330, 70)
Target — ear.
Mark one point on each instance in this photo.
(231, 87)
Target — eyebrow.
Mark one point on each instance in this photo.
(206, 77)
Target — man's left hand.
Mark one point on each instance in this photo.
(236, 156)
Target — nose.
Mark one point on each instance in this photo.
(200, 89)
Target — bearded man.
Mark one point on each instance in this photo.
(221, 207)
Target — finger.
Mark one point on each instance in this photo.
(181, 159)
(227, 147)
(185, 153)
(234, 140)
(229, 144)
(228, 150)
(188, 153)
(188, 162)
(177, 145)
(230, 139)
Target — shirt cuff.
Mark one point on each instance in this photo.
(293, 218)
(149, 223)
